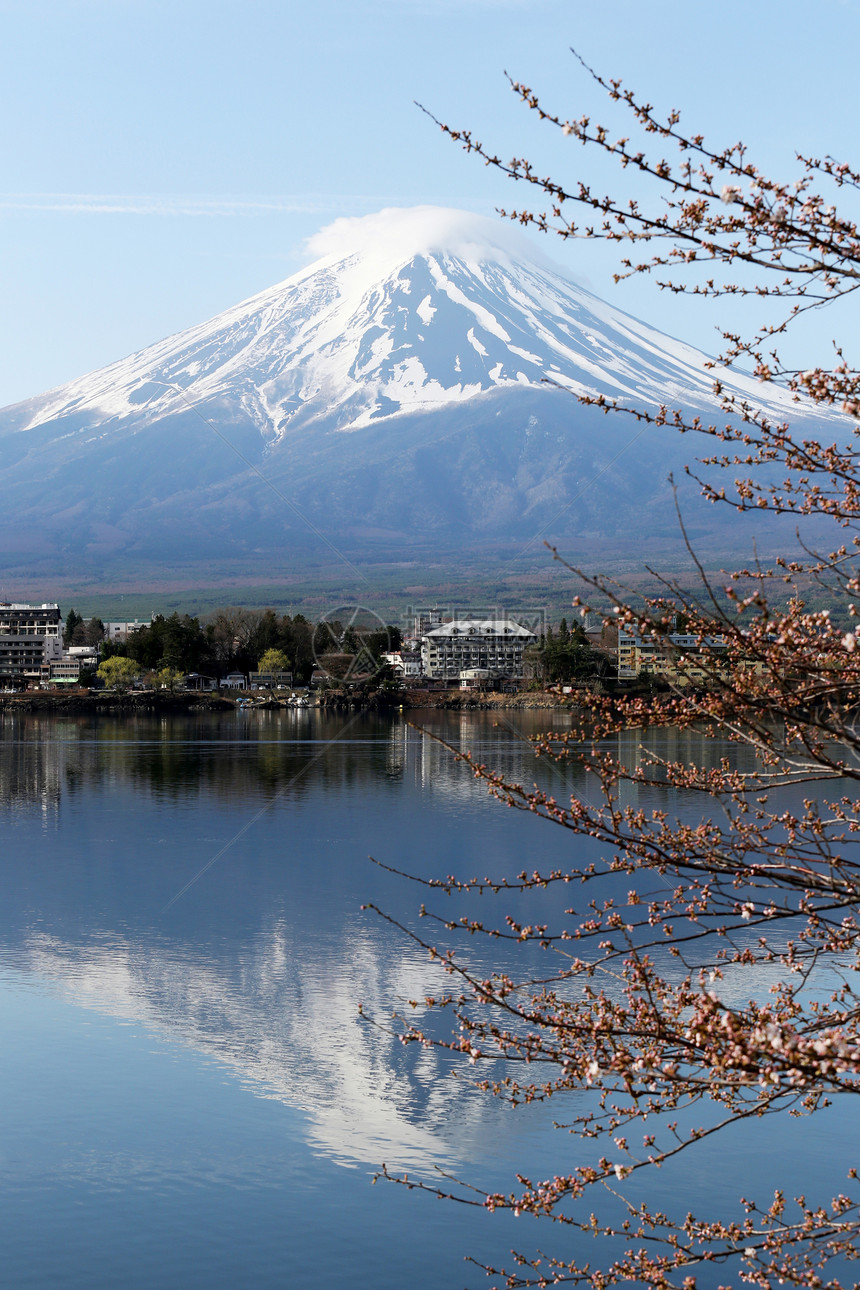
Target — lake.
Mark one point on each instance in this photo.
(188, 1095)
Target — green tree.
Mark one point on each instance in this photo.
(73, 620)
(351, 643)
(566, 657)
(114, 649)
(176, 642)
(168, 678)
(385, 640)
(118, 672)
(296, 640)
(267, 634)
(274, 660)
(94, 632)
(231, 633)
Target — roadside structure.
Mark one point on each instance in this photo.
(234, 681)
(67, 669)
(278, 680)
(601, 634)
(476, 678)
(424, 620)
(197, 681)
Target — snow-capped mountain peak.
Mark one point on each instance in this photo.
(402, 311)
(400, 391)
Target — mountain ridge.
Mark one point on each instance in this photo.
(417, 382)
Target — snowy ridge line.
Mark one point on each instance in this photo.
(420, 320)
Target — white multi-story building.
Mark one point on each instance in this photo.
(30, 637)
(493, 644)
(86, 654)
(122, 631)
(405, 663)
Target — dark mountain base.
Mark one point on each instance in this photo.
(503, 575)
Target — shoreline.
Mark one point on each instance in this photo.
(51, 701)
(97, 702)
(465, 700)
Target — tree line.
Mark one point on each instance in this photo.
(232, 640)
(239, 640)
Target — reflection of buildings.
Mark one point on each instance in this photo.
(500, 740)
(428, 764)
(32, 767)
(636, 749)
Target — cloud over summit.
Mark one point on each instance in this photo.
(398, 233)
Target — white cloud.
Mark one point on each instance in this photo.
(414, 230)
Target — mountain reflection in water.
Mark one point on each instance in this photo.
(262, 962)
(132, 967)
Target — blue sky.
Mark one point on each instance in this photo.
(163, 159)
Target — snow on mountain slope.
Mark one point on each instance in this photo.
(402, 389)
(431, 308)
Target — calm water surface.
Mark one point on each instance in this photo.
(187, 1095)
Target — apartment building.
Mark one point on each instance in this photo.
(494, 645)
(30, 636)
(680, 658)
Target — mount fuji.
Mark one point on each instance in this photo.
(410, 391)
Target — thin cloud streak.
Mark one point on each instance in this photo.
(144, 204)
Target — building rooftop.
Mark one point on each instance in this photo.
(8, 604)
(479, 627)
